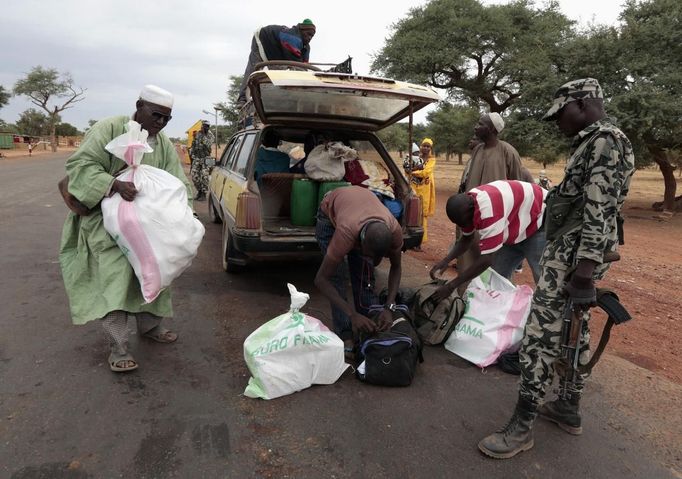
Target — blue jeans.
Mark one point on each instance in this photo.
(510, 256)
(362, 279)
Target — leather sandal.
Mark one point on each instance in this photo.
(116, 358)
(160, 335)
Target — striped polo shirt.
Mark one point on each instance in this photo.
(506, 212)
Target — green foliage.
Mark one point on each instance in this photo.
(8, 127)
(479, 53)
(33, 123)
(419, 132)
(228, 109)
(395, 137)
(91, 123)
(651, 103)
(4, 96)
(67, 129)
(451, 127)
(224, 133)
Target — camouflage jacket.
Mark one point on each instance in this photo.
(201, 146)
(599, 169)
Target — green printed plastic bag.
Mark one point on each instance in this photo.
(292, 352)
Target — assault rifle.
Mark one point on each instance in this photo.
(575, 319)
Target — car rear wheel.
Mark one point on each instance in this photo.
(212, 212)
(229, 253)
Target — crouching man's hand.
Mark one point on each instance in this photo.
(385, 320)
(362, 323)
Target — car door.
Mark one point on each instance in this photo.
(236, 181)
(220, 173)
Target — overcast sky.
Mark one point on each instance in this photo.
(112, 48)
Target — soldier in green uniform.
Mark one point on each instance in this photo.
(581, 225)
(202, 161)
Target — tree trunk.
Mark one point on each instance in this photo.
(53, 135)
(459, 158)
(667, 169)
(447, 155)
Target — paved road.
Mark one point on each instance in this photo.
(63, 414)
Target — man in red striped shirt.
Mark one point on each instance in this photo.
(503, 213)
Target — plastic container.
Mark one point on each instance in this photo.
(327, 186)
(303, 202)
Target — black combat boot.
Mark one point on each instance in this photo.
(516, 436)
(565, 413)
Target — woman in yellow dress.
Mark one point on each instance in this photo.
(423, 184)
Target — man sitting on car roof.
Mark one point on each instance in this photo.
(353, 223)
(278, 42)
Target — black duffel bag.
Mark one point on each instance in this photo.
(389, 358)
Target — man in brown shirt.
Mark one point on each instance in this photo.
(491, 160)
(353, 223)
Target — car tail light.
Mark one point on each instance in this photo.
(413, 214)
(248, 211)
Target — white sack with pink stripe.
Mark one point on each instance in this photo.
(157, 231)
(494, 319)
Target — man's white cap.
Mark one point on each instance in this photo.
(497, 121)
(156, 95)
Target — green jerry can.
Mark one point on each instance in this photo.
(327, 186)
(303, 202)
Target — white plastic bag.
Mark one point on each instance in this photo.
(292, 352)
(494, 319)
(156, 231)
(326, 162)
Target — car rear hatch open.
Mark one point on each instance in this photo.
(338, 99)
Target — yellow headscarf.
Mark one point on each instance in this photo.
(427, 141)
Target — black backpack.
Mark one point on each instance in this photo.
(389, 358)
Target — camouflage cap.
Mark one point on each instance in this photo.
(571, 91)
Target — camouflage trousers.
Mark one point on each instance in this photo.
(200, 173)
(541, 345)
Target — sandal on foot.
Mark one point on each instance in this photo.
(161, 335)
(116, 360)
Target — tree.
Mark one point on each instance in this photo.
(67, 129)
(637, 65)
(4, 96)
(651, 101)
(395, 137)
(480, 54)
(33, 123)
(43, 85)
(8, 127)
(451, 127)
(91, 123)
(228, 109)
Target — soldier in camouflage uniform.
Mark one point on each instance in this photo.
(202, 161)
(581, 227)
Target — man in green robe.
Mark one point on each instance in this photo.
(98, 278)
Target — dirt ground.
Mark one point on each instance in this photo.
(651, 264)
